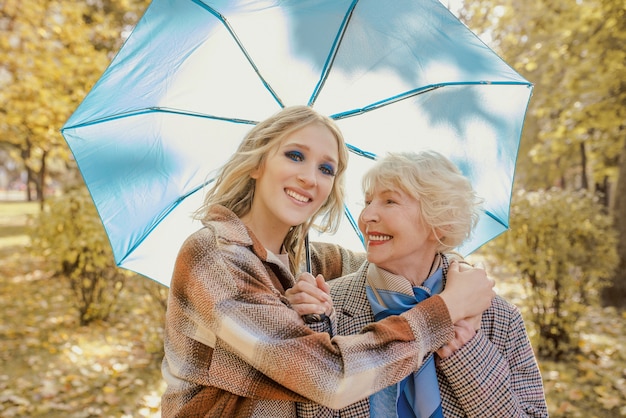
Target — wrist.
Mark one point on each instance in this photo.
(454, 308)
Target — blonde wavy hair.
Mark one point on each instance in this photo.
(234, 187)
(448, 203)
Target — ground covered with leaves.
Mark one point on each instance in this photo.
(52, 367)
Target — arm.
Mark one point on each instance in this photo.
(467, 293)
(230, 305)
(497, 379)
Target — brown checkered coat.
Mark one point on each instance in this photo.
(234, 347)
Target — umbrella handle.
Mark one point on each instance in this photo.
(310, 318)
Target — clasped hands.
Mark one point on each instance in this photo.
(469, 292)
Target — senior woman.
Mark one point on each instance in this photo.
(418, 207)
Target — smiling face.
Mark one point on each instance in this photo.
(293, 183)
(396, 236)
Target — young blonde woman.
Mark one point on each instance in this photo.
(417, 208)
(234, 347)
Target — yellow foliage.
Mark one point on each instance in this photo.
(574, 54)
(69, 231)
(563, 246)
(51, 53)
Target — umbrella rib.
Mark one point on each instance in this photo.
(384, 102)
(241, 47)
(495, 218)
(416, 92)
(358, 151)
(333, 53)
(163, 215)
(353, 223)
(158, 110)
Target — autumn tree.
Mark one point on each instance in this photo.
(51, 53)
(70, 237)
(575, 55)
(615, 294)
(562, 247)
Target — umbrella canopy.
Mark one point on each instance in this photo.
(195, 75)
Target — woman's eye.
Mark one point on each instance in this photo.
(294, 155)
(327, 169)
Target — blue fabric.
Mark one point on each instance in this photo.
(418, 394)
(195, 76)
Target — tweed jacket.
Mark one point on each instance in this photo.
(234, 347)
(495, 374)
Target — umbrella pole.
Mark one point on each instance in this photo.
(307, 253)
(310, 318)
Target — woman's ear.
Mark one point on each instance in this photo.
(437, 234)
(257, 172)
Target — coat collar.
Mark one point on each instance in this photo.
(229, 228)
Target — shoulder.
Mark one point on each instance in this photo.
(352, 281)
(210, 246)
(200, 250)
(198, 242)
(220, 227)
(334, 261)
(502, 309)
(348, 292)
(502, 321)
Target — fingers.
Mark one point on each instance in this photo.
(322, 285)
(474, 321)
(305, 297)
(445, 351)
(306, 277)
(310, 308)
(304, 303)
(463, 332)
(448, 349)
(304, 292)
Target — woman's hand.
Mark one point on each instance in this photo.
(464, 330)
(467, 293)
(310, 295)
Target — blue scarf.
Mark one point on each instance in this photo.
(417, 395)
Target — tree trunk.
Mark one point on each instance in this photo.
(615, 293)
(583, 163)
(42, 181)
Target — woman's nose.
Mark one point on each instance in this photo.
(369, 214)
(307, 177)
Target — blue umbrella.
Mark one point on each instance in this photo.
(195, 75)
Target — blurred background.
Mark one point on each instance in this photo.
(80, 337)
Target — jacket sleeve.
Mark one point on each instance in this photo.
(497, 380)
(333, 261)
(228, 303)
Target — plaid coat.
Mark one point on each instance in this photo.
(495, 374)
(234, 347)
